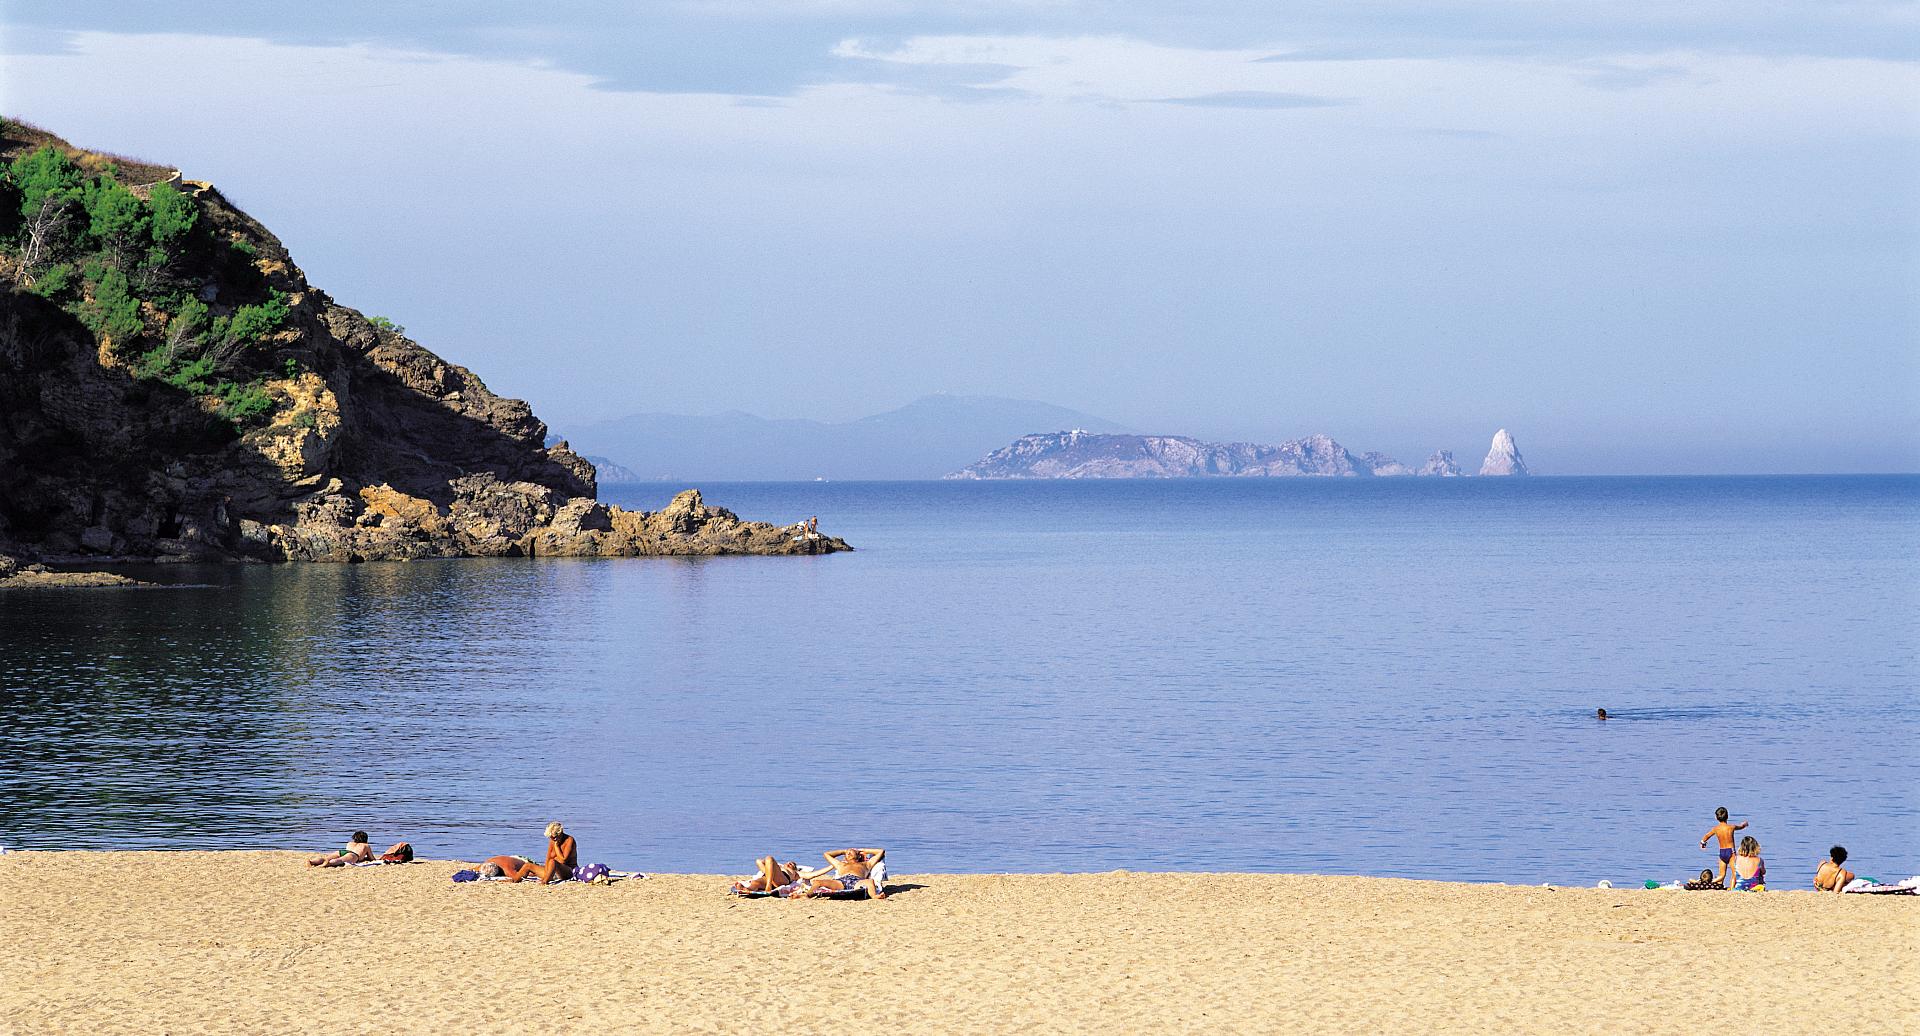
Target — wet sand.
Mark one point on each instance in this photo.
(255, 942)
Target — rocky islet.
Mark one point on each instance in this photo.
(1082, 454)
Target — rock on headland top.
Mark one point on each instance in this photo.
(171, 387)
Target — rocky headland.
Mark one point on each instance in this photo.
(172, 388)
(1081, 454)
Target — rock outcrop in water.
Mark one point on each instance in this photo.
(1079, 454)
(1503, 457)
(1441, 465)
(1381, 464)
(191, 396)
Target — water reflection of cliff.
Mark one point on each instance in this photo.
(267, 707)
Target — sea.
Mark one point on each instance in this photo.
(1334, 676)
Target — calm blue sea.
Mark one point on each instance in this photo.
(1391, 677)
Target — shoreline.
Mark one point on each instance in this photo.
(252, 940)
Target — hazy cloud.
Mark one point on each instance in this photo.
(1253, 99)
(766, 48)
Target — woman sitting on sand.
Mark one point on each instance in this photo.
(357, 851)
(563, 855)
(1833, 875)
(850, 868)
(1749, 870)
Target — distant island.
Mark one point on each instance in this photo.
(172, 388)
(1084, 454)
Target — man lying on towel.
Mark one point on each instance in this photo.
(851, 868)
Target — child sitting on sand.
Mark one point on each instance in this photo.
(357, 851)
(1704, 883)
(1833, 875)
(1749, 870)
(1724, 832)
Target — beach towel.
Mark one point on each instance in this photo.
(787, 891)
(592, 874)
(1870, 887)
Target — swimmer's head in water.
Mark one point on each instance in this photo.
(1602, 713)
(1720, 814)
(554, 830)
(1749, 846)
(359, 836)
(1839, 854)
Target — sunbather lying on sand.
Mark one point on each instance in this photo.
(505, 866)
(771, 874)
(851, 867)
(357, 851)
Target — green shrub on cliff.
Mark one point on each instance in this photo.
(244, 404)
(112, 312)
(55, 281)
(47, 188)
(42, 175)
(252, 323)
(192, 376)
(174, 215)
(117, 218)
(384, 325)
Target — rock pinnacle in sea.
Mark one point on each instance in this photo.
(1503, 457)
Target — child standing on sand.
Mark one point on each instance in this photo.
(1724, 832)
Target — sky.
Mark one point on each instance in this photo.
(1647, 237)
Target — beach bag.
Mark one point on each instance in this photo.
(402, 853)
(592, 874)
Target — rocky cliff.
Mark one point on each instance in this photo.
(171, 387)
(1503, 457)
(1079, 454)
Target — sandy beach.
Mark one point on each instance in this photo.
(255, 942)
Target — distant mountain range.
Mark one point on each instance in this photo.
(1082, 454)
(923, 440)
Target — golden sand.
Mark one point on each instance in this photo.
(254, 942)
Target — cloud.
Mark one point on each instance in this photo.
(780, 47)
(1462, 134)
(1604, 75)
(1258, 99)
